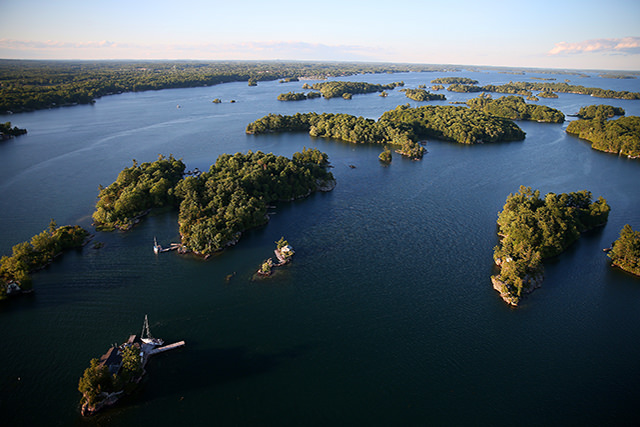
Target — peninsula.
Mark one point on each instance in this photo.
(625, 251)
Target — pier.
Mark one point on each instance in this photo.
(166, 348)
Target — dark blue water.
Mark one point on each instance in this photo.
(386, 316)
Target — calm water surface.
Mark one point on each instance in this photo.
(386, 316)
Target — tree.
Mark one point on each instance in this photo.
(625, 252)
(95, 380)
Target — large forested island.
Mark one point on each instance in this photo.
(36, 254)
(403, 126)
(215, 207)
(532, 228)
(620, 136)
(527, 88)
(336, 89)
(625, 251)
(515, 108)
(600, 112)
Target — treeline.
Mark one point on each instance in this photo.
(600, 112)
(421, 95)
(335, 89)
(32, 85)
(297, 96)
(37, 253)
(454, 80)
(533, 228)
(343, 127)
(515, 108)
(6, 131)
(620, 136)
(137, 189)
(625, 251)
(547, 89)
(233, 195)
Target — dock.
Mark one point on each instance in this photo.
(166, 348)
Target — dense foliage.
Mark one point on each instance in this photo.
(456, 87)
(386, 155)
(6, 131)
(514, 107)
(421, 95)
(455, 80)
(37, 253)
(533, 228)
(450, 123)
(335, 89)
(625, 252)
(32, 85)
(546, 89)
(620, 136)
(137, 189)
(292, 96)
(600, 112)
(233, 195)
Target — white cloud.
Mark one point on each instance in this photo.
(626, 45)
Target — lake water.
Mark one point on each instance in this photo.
(386, 316)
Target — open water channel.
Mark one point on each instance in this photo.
(386, 316)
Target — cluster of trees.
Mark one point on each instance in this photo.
(343, 127)
(515, 108)
(625, 252)
(546, 89)
(297, 96)
(437, 87)
(450, 123)
(136, 190)
(620, 136)
(233, 195)
(386, 155)
(533, 228)
(454, 80)
(547, 94)
(289, 80)
(97, 381)
(32, 85)
(6, 131)
(600, 112)
(422, 95)
(38, 252)
(335, 89)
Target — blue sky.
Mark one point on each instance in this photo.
(553, 34)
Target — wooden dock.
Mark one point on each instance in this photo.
(166, 348)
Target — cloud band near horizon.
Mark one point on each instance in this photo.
(625, 45)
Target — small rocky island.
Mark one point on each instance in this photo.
(284, 254)
(119, 371)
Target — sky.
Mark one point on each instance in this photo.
(567, 34)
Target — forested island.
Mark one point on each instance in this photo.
(532, 228)
(625, 251)
(422, 95)
(403, 126)
(216, 206)
(515, 108)
(292, 96)
(600, 112)
(35, 254)
(32, 85)
(546, 89)
(620, 136)
(7, 132)
(336, 89)
(454, 80)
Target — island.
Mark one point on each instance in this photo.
(454, 80)
(620, 136)
(385, 156)
(515, 108)
(8, 132)
(336, 89)
(292, 96)
(403, 126)
(284, 254)
(421, 95)
(36, 254)
(119, 371)
(532, 228)
(546, 89)
(600, 112)
(625, 251)
(214, 207)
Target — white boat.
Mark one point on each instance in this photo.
(146, 337)
(156, 247)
